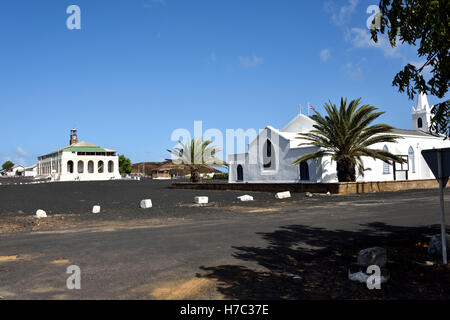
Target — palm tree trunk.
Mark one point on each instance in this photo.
(346, 170)
(195, 176)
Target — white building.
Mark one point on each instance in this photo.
(15, 171)
(271, 154)
(31, 171)
(79, 161)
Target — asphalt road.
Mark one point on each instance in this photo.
(234, 252)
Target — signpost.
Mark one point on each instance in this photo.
(439, 162)
(401, 166)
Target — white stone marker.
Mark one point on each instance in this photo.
(245, 198)
(41, 214)
(146, 203)
(283, 195)
(201, 200)
(96, 209)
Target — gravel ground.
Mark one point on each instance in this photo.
(69, 203)
(117, 199)
(121, 198)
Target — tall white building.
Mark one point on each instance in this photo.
(271, 154)
(79, 161)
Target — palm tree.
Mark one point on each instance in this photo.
(194, 156)
(345, 134)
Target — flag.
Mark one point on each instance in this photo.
(311, 107)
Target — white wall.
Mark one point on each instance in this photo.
(31, 172)
(283, 171)
(67, 156)
(323, 169)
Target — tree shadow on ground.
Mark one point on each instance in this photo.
(302, 262)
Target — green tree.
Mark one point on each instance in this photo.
(194, 156)
(345, 134)
(7, 165)
(124, 165)
(426, 23)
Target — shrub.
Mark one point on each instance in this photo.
(221, 176)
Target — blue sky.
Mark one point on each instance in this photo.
(139, 69)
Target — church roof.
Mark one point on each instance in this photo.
(419, 133)
(300, 123)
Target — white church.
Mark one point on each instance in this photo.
(271, 154)
(79, 161)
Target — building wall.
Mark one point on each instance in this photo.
(323, 169)
(333, 187)
(283, 156)
(86, 175)
(57, 167)
(31, 172)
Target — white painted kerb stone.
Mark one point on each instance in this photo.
(245, 198)
(201, 200)
(41, 214)
(146, 203)
(283, 195)
(96, 209)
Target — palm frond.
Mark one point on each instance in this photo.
(346, 132)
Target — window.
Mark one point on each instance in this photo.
(100, 167)
(386, 169)
(91, 166)
(419, 123)
(411, 159)
(268, 159)
(80, 166)
(240, 173)
(70, 166)
(304, 171)
(110, 166)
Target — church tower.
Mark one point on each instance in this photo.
(421, 115)
(73, 136)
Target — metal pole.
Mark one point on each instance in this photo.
(441, 196)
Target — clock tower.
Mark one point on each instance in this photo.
(73, 136)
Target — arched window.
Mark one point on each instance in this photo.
(240, 173)
(304, 171)
(386, 169)
(268, 157)
(100, 167)
(80, 166)
(110, 166)
(419, 123)
(411, 159)
(91, 166)
(70, 166)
